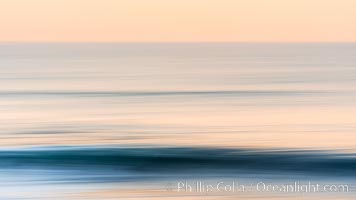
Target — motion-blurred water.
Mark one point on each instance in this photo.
(120, 121)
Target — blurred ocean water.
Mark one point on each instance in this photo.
(121, 121)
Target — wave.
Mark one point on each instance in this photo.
(182, 160)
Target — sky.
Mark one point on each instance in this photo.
(177, 21)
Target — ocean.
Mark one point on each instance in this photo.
(177, 121)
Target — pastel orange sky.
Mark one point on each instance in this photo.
(177, 20)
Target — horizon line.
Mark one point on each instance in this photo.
(177, 42)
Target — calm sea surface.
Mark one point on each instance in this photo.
(136, 121)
